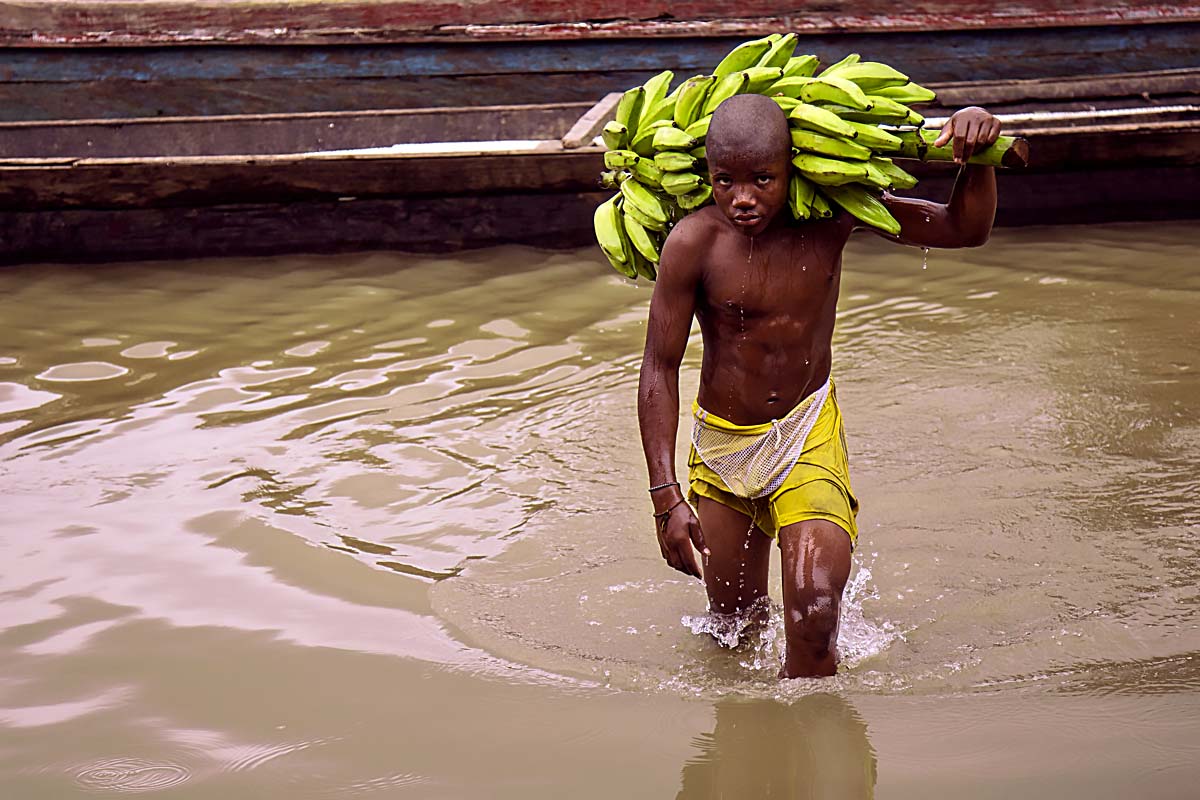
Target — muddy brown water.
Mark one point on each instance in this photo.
(377, 526)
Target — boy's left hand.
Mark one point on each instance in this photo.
(972, 129)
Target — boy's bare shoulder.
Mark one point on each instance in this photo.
(698, 228)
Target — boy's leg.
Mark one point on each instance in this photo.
(816, 565)
(735, 573)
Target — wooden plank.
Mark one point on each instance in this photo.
(265, 134)
(1144, 84)
(411, 224)
(67, 22)
(427, 224)
(181, 81)
(138, 183)
(588, 127)
(27, 184)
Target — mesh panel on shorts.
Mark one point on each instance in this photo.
(755, 465)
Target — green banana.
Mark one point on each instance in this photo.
(851, 58)
(824, 171)
(646, 222)
(615, 135)
(908, 94)
(656, 88)
(831, 89)
(800, 67)
(883, 110)
(785, 102)
(898, 177)
(691, 99)
(695, 198)
(813, 142)
(865, 206)
(610, 233)
(780, 52)
(671, 138)
(699, 153)
(642, 266)
(789, 86)
(759, 78)
(674, 161)
(800, 193)
(726, 88)
(629, 107)
(821, 120)
(699, 129)
(677, 183)
(876, 177)
(620, 159)
(869, 75)
(888, 105)
(646, 171)
(645, 202)
(608, 179)
(662, 111)
(820, 206)
(746, 54)
(640, 238)
(643, 143)
(873, 136)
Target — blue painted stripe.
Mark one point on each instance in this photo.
(954, 55)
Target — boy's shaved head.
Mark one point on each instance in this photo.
(748, 126)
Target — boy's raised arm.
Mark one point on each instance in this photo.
(966, 220)
(670, 321)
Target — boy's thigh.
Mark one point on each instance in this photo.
(737, 568)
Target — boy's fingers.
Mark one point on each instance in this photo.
(944, 136)
(688, 557)
(698, 538)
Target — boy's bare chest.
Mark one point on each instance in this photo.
(792, 282)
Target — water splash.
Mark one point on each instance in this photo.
(924, 258)
(764, 643)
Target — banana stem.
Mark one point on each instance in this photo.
(1008, 151)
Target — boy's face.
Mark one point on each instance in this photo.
(751, 190)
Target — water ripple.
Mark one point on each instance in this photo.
(132, 775)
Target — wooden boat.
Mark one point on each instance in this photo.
(190, 127)
(1124, 147)
(89, 59)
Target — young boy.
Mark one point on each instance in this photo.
(769, 458)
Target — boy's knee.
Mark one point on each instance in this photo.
(813, 616)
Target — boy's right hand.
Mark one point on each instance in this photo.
(677, 534)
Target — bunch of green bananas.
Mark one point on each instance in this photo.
(840, 145)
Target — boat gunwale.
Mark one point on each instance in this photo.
(169, 22)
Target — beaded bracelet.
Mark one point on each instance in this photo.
(663, 486)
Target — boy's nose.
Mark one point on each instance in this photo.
(743, 201)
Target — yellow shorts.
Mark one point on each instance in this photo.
(817, 487)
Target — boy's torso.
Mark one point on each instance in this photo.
(766, 307)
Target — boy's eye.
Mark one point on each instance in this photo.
(721, 180)
(763, 179)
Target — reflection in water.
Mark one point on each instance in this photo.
(816, 747)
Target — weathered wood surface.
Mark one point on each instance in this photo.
(198, 162)
(275, 134)
(83, 82)
(543, 220)
(69, 22)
